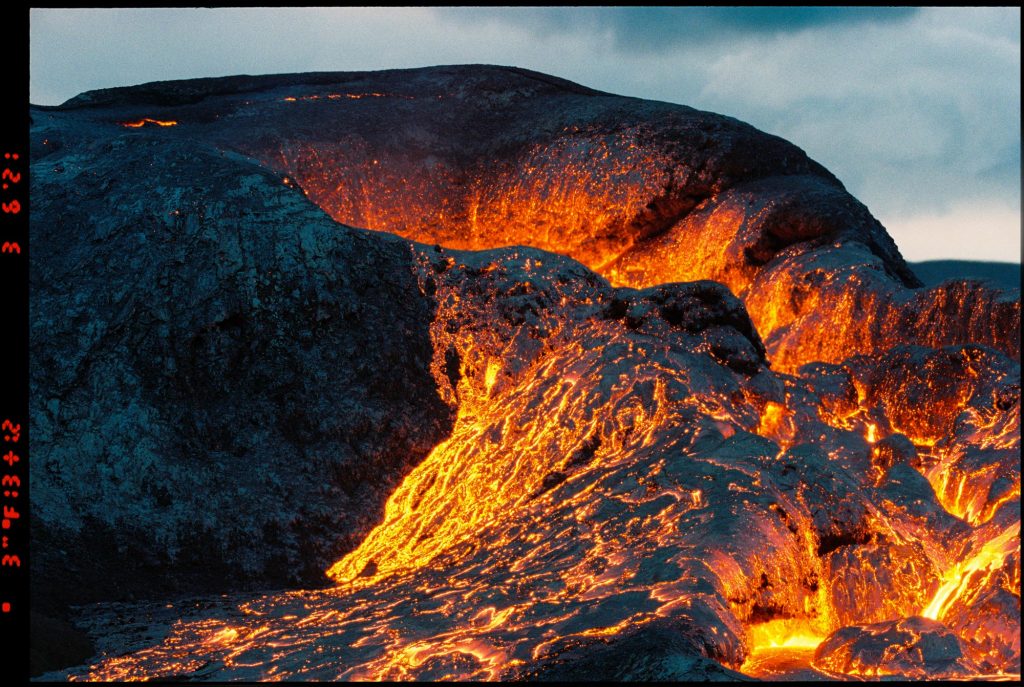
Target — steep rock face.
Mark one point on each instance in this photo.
(642, 192)
(225, 383)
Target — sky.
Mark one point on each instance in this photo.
(916, 110)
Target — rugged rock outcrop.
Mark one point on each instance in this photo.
(581, 477)
(226, 384)
(923, 647)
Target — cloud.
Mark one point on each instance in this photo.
(644, 29)
(911, 117)
(987, 231)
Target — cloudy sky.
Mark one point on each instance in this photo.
(916, 110)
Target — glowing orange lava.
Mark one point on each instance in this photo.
(148, 120)
(589, 492)
(827, 481)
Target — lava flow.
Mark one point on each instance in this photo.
(607, 478)
(735, 439)
(139, 123)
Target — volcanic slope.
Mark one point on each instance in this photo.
(585, 479)
(642, 192)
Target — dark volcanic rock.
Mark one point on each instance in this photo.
(912, 648)
(225, 383)
(55, 643)
(656, 653)
(1006, 275)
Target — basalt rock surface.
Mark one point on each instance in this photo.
(226, 384)
(706, 416)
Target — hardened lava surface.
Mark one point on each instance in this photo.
(647, 395)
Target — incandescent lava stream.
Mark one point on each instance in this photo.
(614, 389)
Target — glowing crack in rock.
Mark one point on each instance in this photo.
(139, 123)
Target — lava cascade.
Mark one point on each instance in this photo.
(804, 462)
(604, 481)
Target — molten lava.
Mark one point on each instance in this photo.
(139, 123)
(818, 275)
(600, 480)
(732, 437)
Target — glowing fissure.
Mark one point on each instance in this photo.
(613, 203)
(337, 96)
(139, 123)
